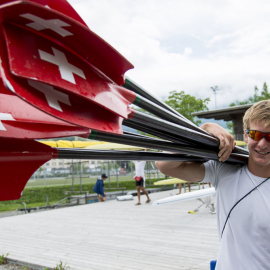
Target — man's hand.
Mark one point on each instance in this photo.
(226, 140)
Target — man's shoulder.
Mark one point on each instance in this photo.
(218, 165)
(216, 171)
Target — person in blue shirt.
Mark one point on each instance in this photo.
(99, 188)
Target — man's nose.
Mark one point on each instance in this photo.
(263, 143)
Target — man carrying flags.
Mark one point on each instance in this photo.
(243, 213)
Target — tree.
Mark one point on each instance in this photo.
(255, 98)
(187, 104)
(252, 99)
(107, 165)
(229, 125)
(40, 169)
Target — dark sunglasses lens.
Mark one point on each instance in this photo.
(252, 134)
(257, 135)
(267, 137)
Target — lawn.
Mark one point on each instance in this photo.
(37, 196)
(85, 180)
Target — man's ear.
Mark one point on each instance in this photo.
(246, 137)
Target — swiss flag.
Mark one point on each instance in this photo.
(20, 120)
(77, 111)
(66, 104)
(58, 65)
(58, 23)
(46, 61)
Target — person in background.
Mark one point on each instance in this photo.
(99, 188)
(180, 188)
(140, 180)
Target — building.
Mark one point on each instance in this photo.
(234, 114)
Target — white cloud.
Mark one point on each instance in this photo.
(188, 45)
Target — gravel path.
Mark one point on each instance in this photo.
(11, 213)
(12, 266)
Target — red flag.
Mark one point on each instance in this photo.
(52, 60)
(20, 120)
(62, 68)
(19, 159)
(68, 31)
(67, 106)
(45, 61)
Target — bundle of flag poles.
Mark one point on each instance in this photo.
(59, 79)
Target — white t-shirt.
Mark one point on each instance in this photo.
(245, 244)
(139, 168)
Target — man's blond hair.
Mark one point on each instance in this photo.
(258, 112)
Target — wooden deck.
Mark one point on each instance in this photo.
(114, 235)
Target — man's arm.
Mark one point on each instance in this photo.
(188, 171)
(193, 171)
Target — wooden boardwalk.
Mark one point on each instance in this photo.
(114, 235)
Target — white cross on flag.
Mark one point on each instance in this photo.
(52, 96)
(20, 120)
(7, 117)
(40, 24)
(65, 68)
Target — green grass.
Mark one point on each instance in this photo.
(68, 181)
(14, 206)
(36, 196)
(85, 180)
(3, 259)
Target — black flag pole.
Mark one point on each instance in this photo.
(150, 103)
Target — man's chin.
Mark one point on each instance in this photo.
(262, 161)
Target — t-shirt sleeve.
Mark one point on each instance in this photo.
(216, 171)
(211, 172)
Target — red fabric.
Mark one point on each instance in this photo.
(138, 178)
(19, 159)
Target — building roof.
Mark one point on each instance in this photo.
(226, 114)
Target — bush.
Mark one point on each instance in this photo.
(57, 193)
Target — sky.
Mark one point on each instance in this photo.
(189, 45)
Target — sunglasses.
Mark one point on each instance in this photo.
(257, 135)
